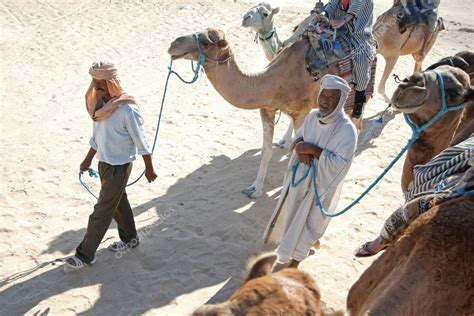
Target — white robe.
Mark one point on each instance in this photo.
(297, 223)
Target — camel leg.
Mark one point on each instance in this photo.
(389, 65)
(268, 121)
(285, 142)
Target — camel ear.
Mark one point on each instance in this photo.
(222, 43)
(261, 266)
(276, 10)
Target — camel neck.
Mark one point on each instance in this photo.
(239, 89)
(437, 136)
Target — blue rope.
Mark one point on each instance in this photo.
(201, 60)
(416, 132)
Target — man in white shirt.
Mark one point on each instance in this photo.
(117, 138)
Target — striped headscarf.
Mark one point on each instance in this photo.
(101, 70)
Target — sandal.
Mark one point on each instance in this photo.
(119, 246)
(366, 251)
(74, 263)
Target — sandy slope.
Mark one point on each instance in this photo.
(197, 229)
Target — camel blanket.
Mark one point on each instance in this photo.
(297, 222)
(450, 161)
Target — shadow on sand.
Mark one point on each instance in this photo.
(205, 239)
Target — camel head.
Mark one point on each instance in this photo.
(287, 292)
(211, 43)
(420, 94)
(260, 17)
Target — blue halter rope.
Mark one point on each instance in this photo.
(416, 132)
(201, 60)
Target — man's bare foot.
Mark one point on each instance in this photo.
(279, 266)
(317, 245)
(294, 264)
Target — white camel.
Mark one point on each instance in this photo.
(261, 19)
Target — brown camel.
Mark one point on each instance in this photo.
(465, 61)
(420, 98)
(287, 292)
(466, 125)
(392, 44)
(428, 271)
(284, 85)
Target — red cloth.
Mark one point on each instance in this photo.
(345, 5)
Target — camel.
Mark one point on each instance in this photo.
(420, 98)
(466, 125)
(283, 85)
(390, 43)
(287, 292)
(428, 271)
(465, 61)
(261, 18)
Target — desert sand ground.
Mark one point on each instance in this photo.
(197, 229)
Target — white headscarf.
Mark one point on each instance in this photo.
(334, 82)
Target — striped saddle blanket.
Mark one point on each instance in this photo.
(438, 174)
(320, 57)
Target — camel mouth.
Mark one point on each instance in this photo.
(174, 57)
(406, 108)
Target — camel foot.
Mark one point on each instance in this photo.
(357, 122)
(385, 96)
(252, 192)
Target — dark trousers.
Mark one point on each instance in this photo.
(111, 204)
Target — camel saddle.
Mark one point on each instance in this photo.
(429, 18)
(327, 49)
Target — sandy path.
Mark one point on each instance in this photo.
(197, 229)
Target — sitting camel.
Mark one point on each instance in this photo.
(287, 292)
(428, 270)
(391, 44)
(283, 85)
(419, 97)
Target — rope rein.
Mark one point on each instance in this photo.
(417, 130)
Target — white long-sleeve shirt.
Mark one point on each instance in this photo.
(119, 138)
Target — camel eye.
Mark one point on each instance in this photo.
(205, 45)
(265, 14)
(454, 94)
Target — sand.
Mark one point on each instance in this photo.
(197, 229)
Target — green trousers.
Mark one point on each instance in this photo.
(111, 204)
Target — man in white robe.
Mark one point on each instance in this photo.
(327, 140)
